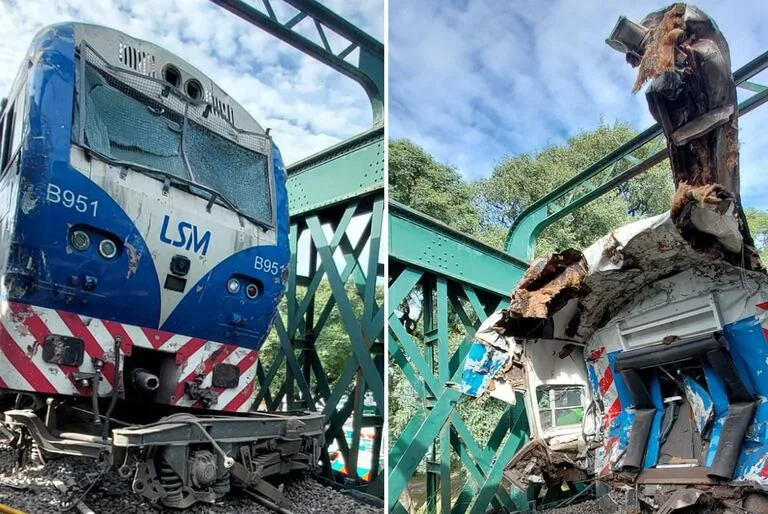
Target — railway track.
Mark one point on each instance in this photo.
(33, 489)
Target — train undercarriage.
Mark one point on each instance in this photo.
(180, 459)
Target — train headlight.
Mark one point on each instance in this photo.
(107, 248)
(233, 285)
(252, 291)
(80, 240)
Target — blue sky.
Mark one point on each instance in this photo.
(307, 105)
(472, 81)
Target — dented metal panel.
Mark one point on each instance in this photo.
(700, 402)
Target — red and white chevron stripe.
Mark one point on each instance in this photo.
(762, 315)
(598, 359)
(606, 456)
(24, 327)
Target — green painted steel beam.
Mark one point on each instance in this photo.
(369, 69)
(437, 430)
(402, 470)
(522, 235)
(299, 333)
(425, 243)
(341, 173)
(515, 440)
(358, 339)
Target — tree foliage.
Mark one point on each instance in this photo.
(419, 181)
(518, 181)
(757, 219)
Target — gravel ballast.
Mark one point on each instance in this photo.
(32, 490)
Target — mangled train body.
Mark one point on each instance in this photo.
(644, 358)
(654, 374)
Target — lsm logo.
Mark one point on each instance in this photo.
(188, 236)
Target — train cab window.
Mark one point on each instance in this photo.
(559, 406)
(6, 125)
(17, 132)
(123, 124)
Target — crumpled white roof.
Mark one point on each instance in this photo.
(623, 263)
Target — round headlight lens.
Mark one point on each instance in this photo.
(107, 248)
(233, 285)
(80, 240)
(252, 291)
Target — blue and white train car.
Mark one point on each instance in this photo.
(143, 254)
(141, 206)
(651, 380)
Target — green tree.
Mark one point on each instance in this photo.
(419, 181)
(757, 219)
(518, 181)
(332, 342)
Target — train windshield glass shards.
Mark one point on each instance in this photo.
(141, 122)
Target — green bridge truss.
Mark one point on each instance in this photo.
(454, 274)
(327, 192)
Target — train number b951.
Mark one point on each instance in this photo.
(70, 199)
(266, 265)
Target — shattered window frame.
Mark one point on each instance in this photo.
(173, 101)
(12, 128)
(554, 394)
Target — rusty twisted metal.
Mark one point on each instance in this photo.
(685, 59)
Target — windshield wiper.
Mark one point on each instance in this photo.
(169, 179)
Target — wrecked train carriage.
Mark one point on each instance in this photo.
(643, 360)
(644, 363)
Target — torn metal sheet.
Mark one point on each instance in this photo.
(624, 264)
(702, 408)
(692, 95)
(488, 333)
(681, 499)
(537, 463)
(710, 210)
(483, 363)
(489, 352)
(618, 267)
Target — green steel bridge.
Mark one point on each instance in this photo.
(327, 190)
(455, 274)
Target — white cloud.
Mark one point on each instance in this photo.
(474, 81)
(308, 105)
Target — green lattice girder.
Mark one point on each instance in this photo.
(431, 374)
(305, 377)
(339, 174)
(422, 242)
(369, 69)
(330, 188)
(612, 170)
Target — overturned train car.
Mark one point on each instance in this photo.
(143, 253)
(651, 378)
(644, 358)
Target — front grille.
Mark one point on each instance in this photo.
(137, 60)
